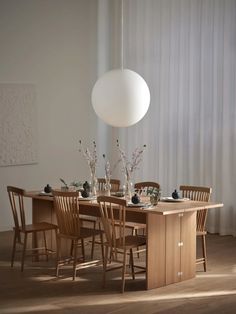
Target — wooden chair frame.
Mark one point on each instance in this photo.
(199, 193)
(16, 197)
(141, 188)
(115, 186)
(113, 217)
(70, 227)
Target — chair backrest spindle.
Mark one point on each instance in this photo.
(115, 184)
(198, 193)
(143, 187)
(113, 216)
(67, 211)
(16, 196)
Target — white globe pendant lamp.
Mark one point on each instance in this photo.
(121, 97)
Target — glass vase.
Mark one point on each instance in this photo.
(128, 188)
(93, 185)
(107, 186)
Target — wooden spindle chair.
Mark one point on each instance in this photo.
(66, 205)
(16, 197)
(113, 217)
(198, 193)
(115, 186)
(141, 188)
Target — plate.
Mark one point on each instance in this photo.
(86, 198)
(42, 193)
(136, 205)
(174, 200)
(118, 194)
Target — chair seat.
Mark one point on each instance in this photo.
(87, 232)
(130, 242)
(84, 233)
(41, 226)
(135, 225)
(199, 233)
(88, 218)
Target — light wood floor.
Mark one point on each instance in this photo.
(38, 291)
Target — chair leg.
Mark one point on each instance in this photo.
(93, 240)
(23, 252)
(111, 256)
(72, 248)
(82, 248)
(136, 234)
(13, 249)
(132, 263)
(45, 245)
(101, 239)
(75, 258)
(58, 255)
(105, 260)
(35, 257)
(204, 252)
(123, 271)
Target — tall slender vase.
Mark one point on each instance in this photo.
(107, 186)
(128, 187)
(93, 184)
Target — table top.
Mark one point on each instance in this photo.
(162, 208)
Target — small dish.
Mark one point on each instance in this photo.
(42, 193)
(173, 200)
(136, 205)
(86, 198)
(118, 194)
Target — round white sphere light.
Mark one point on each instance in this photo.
(121, 97)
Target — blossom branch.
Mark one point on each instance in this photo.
(130, 166)
(108, 171)
(91, 158)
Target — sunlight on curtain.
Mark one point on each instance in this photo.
(186, 51)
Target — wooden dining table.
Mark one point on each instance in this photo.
(170, 232)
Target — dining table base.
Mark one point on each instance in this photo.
(171, 241)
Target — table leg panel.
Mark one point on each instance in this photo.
(156, 252)
(173, 242)
(188, 250)
(42, 211)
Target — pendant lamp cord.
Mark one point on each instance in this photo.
(122, 35)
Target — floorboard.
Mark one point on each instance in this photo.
(37, 290)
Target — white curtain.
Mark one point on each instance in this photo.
(186, 51)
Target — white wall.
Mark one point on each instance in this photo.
(52, 44)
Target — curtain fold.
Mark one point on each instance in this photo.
(186, 51)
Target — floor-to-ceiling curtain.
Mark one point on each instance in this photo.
(186, 51)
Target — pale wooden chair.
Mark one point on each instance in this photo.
(16, 197)
(142, 188)
(66, 205)
(198, 193)
(115, 186)
(113, 217)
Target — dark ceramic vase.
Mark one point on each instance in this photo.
(85, 193)
(86, 186)
(135, 199)
(47, 189)
(175, 194)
